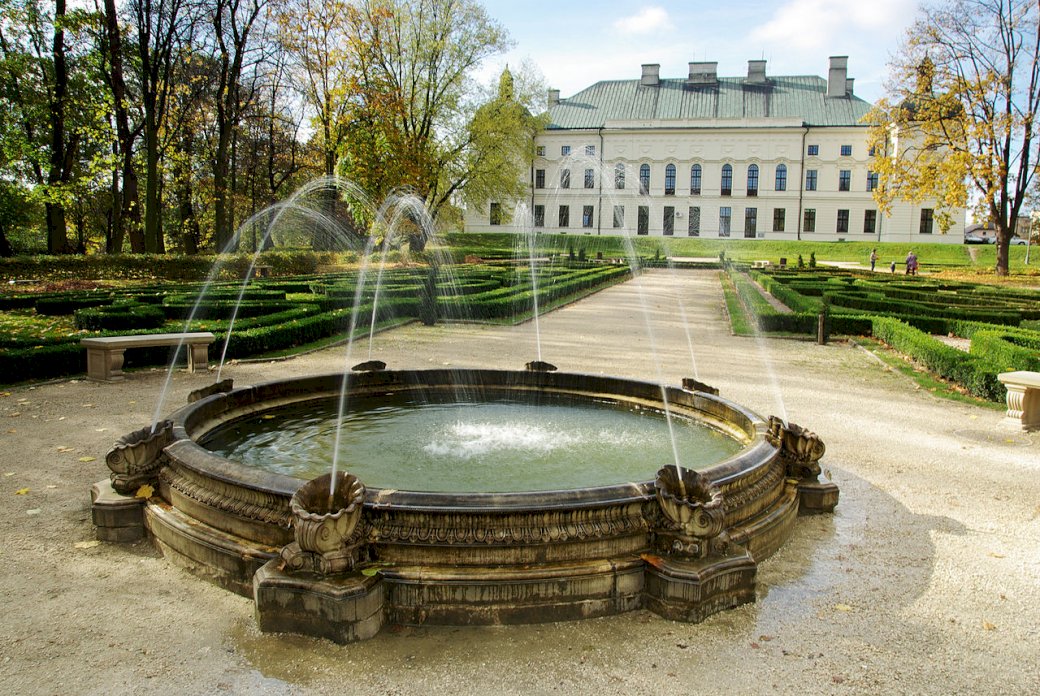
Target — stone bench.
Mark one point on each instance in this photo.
(105, 354)
(1023, 397)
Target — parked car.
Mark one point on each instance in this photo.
(971, 238)
(1017, 240)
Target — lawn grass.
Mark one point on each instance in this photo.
(925, 380)
(738, 318)
(933, 256)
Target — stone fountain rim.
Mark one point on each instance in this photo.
(185, 451)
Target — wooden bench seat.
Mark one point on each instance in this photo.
(1023, 397)
(105, 354)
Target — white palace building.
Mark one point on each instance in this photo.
(758, 157)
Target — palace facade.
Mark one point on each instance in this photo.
(758, 157)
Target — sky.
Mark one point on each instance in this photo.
(576, 43)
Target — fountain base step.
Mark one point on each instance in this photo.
(117, 517)
(342, 609)
(692, 590)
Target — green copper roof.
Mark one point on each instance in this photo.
(801, 98)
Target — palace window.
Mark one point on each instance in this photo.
(644, 179)
(725, 220)
(540, 150)
(869, 221)
(846, 151)
(565, 178)
(669, 220)
(619, 216)
(779, 219)
(539, 178)
(750, 222)
(781, 177)
(727, 180)
(590, 150)
(590, 179)
(565, 216)
(843, 221)
(926, 220)
(809, 220)
(496, 213)
(586, 216)
(872, 181)
(565, 150)
(695, 180)
(539, 216)
(643, 220)
(669, 180)
(810, 179)
(695, 221)
(813, 151)
(844, 179)
(752, 180)
(619, 175)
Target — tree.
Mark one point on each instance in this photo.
(416, 126)
(961, 114)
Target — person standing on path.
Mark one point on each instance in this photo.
(873, 259)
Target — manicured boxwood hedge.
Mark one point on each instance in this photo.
(905, 313)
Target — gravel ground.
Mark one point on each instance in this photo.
(926, 580)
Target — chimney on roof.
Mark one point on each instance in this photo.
(651, 75)
(837, 77)
(756, 72)
(702, 74)
(848, 86)
(554, 97)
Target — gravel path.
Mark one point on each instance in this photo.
(926, 580)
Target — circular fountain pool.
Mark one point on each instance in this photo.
(461, 446)
(443, 528)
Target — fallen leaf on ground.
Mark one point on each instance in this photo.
(144, 491)
(87, 544)
(994, 554)
(986, 625)
(22, 491)
(87, 459)
(34, 511)
(52, 486)
(842, 607)
(63, 448)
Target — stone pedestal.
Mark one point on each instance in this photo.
(343, 608)
(815, 497)
(691, 590)
(117, 517)
(1023, 398)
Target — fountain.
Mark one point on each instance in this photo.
(352, 544)
(683, 543)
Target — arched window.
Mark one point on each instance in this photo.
(644, 179)
(619, 175)
(752, 180)
(781, 177)
(695, 180)
(727, 180)
(669, 180)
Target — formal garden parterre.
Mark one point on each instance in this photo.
(906, 313)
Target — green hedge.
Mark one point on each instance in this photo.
(120, 316)
(976, 375)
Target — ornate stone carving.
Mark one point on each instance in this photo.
(329, 536)
(240, 501)
(370, 366)
(539, 366)
(691, 384)
(800, 452)
(800, 449)
(221, 387)
(136, 458)
(694, 511)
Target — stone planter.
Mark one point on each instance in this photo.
(326, 527)
(693, 508)
(135, 459)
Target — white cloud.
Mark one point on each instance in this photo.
(812, 25)
(646, 21)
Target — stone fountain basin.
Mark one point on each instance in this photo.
(465, 557)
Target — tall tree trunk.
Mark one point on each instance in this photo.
(127, 210)
(57, 231)
(190, 233)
